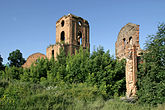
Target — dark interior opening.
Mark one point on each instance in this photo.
(124, 42)
(62, 36)
(62, 23)
(53, 53)
(130, 41)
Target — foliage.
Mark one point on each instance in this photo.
(107, 73)
(151, 76)
(99, 69)
(84, 80)
(31, 96)
(25, 95)
(117, 104)
(15, 58)
(11, 73)
(77, 67)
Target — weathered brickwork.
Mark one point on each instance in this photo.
(127, 47)
(71, 33)
(33, 58)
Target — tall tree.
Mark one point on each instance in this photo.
(151, 79)
(15, 58)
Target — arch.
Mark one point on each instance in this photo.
(124, 42)
(130, 41)
(79, 23)
(62, 23)
(62, 36)
(33, 58)
(79, 38)
(53, 53)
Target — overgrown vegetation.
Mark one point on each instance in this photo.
(151, 79)
(85, 81)
(69, 82)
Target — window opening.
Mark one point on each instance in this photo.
(79, 23)
(79, 38)
(124, 43)
(53, 53)
(130, 41)
(62, 36)
(62, 23)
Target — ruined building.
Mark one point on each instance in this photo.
(71, 33)
(127, 47)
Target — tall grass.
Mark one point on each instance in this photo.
(61, 96)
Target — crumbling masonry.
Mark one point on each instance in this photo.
(127, 47)
(73, 32)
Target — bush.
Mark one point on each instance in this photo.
(62, 96)
(151, 76)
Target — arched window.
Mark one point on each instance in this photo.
(124, 43)
(62, 23)
(79, 23)
(53, 53)
(79, 38)
(62, 36)
(130, 41)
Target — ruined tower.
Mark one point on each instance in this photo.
(127, 47)
(73, 32)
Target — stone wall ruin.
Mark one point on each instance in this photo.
(127, 47)
(71, 33)
(32, 59)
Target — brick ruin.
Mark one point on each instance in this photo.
(71, 33)
(32, 58)
(127, 47)
(71, 30)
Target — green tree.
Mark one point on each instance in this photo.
(11, 73)
(59, 70)
(77, 66)
(15, 58)
(107, 73)
(151, 77)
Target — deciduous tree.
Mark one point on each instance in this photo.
(151, 79)
(15, 58)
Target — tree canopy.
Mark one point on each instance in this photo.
(151, 79)
(16, 59)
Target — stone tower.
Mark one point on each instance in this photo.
(71, 30)
(127, 47)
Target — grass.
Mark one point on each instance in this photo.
(23, 96)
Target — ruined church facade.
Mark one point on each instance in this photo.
(71, 33)
(127, 47)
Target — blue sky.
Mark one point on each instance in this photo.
(30, 25)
